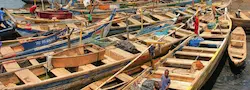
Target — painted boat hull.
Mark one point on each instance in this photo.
(58, 14)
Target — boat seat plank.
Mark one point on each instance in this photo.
(183, 13)
(60, 72)
(208, 42)
(92, 49)
(86, 67)
(11, 65)
(136, 22)
(34, 62)
(27, 76)
(175, 75)
(71, 25)
(194, 54)
(122, 24)
(109, 58)
(171, 39)
(190, 11)
(140, 47)
(183, 63)
(185, 31)
(122, 52)
(220, 30)
(113, 38)
(200, 48)
(6, 50)
(175, 84)
(171, 15)
(161, 18)
(209, 35)
(124, 77)
(243, 16)
(147, 19)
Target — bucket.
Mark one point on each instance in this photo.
(104, 7)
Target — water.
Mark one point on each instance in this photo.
(222, 79)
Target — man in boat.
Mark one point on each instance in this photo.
(165, 80)
(33, 9)
(2, 21)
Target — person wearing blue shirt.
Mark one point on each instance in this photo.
(165, 80)
(2, 18)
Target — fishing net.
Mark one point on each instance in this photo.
(98, 42)
(151, 29)
(147, 85)
(127, 46)
(163, 32)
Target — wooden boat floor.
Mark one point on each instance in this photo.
(201, 54)
(175, 84)
(60, 72)
(183, 63)
(27, 76)
(11, 65)
(6, 50)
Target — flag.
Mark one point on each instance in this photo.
(196, 25)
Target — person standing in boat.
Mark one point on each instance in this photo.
(2, 21)
(165, 80)
(33, 9)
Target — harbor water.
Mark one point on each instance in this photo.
(223, 77)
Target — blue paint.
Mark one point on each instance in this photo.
(24, 32)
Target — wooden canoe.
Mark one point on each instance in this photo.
(242, 21)
(60, 14)
(93, 71)
(77, 56)
(182, 61)
(237, 48)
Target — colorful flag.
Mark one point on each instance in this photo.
(196, 25)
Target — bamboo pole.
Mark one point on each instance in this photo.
(42, 5)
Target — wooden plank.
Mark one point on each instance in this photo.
(139, 46)
(194, 54)
(1, 85)
(183, 63)
(122, 52)
(243, 16)
(185, 31)
(147, 19)
(161, 18)
(6, 50)
(208, 42)
(122, 24)
(92, 49)
(27, 76)
(136, 22)
(86, 67)
(176, 84)
(80, 18)
(34, 62)
(183, 13)
(209, 35)
(190, 11)
(60, 72)
(71, 25)
(171, 39)
(220, 30)
(124, 77)
(171, 15)
(200, 48)
(11, 65)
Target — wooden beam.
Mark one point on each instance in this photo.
(136, 22)
(147, 19)
(199, 48)
(11, 65)
(195, 54)
(27, 76)
(124, 77)
(60, 72)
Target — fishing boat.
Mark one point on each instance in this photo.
(8, 33)
(114, 59)
(37, 1)
(23, 45)
(242, 20)
(237, 48)
(191, 63)
(104, 8)
(60, 14)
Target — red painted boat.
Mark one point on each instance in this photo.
(60, 14)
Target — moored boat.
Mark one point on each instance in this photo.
(60, 14)
(241, 20)
(191, 63)
(237, 48)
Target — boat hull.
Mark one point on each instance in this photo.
(240, 22)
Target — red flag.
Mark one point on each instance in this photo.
(196, 25)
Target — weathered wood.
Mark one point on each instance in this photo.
(195, 54)
(243, 16)
(6, 50)
(11, 65)
(60, 72)
(161, 18)
(147, 19)
(27, 76)
(124, 77)
(211, 42)
(122, 24)
(199, 48)
(136, 22)
(171, 15)
(34, 62)
(183, 63)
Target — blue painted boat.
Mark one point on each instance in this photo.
(9, 32)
